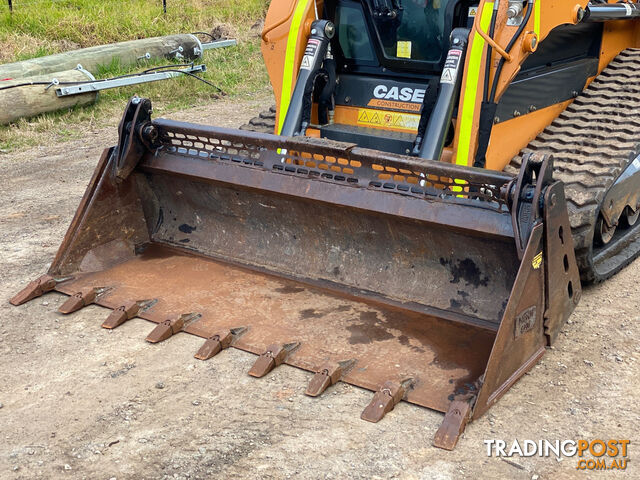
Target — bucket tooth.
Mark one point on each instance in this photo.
(384, 400)
(34, 289)
(326, 376)
(274, 356)
(214, 345)
(455, 420)
(218, 342)
(170, 327)
(162, 331)
(81, 299)
(121, 314)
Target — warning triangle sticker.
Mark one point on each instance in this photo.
(398, 122)
(306, 62)
(447, 77)
(375, 118)
(363, 116)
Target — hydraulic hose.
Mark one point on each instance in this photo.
(527, 16)
(487, 68)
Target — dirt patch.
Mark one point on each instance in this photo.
(222, 31)
(79, 401)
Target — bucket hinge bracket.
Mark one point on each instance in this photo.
(525, 196)
(136, 134)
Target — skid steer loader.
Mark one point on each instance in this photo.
(437, 178)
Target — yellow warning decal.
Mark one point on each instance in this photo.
(537, 261)
(403, 49)
(368, 117)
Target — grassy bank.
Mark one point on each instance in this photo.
(39, 27)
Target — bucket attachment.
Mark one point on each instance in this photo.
(418, 280)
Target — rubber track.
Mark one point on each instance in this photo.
(263, 123)
(592, 142)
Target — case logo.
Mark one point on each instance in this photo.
(404, 94)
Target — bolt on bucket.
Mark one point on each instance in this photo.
(421, 281)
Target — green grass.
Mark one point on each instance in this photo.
(40, 27)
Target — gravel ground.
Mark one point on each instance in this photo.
(78, 401)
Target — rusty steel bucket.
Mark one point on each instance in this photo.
(418, 280)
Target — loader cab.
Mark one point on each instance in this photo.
(389, 56)
(392, 36)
